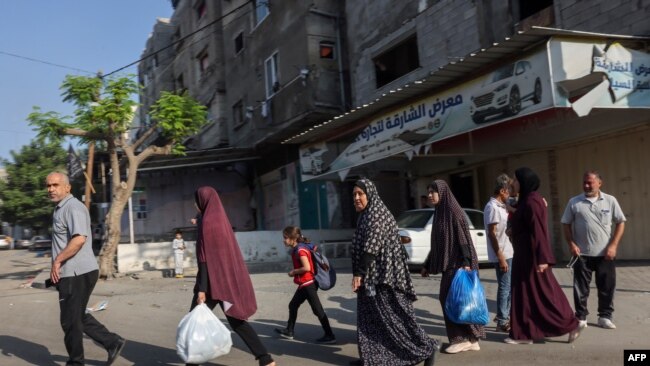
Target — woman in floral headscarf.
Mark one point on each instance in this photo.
(386, 328)
(451, 250)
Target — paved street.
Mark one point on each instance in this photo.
(147, 310)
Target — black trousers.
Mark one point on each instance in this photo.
(244, 330)
(309, 293)
(605, 284)
(74, 293)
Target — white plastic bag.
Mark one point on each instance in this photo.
(201, 336)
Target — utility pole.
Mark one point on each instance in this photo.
(89, 174)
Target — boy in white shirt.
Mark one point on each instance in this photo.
(179, 249)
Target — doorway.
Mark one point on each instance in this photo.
(462, 186)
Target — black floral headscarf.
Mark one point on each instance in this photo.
(451, 242)
(377, 234)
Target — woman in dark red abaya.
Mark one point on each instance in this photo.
(223, 277)
(539, 307)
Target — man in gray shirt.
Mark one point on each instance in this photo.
(75, 272)
(587, 224)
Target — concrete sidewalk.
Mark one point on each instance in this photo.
(145, 308)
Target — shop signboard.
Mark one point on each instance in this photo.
(564, 74)
(608, 76)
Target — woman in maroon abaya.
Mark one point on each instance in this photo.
(223, 277)
(539, 307)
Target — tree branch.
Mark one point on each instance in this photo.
(83, 133)
(144, 136)
(152, 150)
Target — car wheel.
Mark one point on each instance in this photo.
(514, 105)
(537, 95)
(477, 118)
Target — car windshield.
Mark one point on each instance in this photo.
(414, 219)
(502, 73)
(475, 219)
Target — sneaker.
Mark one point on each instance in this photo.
(284, 333)
(518, 341)
(503, 328)
(115, 350)
(583, 323)
(574, 334)
(462, 347)
(606, 323)
(326, 339)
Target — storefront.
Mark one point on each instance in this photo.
(560, 102)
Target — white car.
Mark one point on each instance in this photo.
(504, 92)
(416, 226)
(5, 243)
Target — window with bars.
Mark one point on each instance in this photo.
(204, 62)
(239, 42)
(262, 10)
(139, 200)
(201, 9)
(326, 50)
(397, 61)
(180, 83)
(271, 71)
(238, 114)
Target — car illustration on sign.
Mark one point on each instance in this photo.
(505, 91)
(312, 161)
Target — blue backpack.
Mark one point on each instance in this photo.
(324, 273)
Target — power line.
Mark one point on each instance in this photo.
(180, 39)
(45, 62)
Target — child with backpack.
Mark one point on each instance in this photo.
(303, 275)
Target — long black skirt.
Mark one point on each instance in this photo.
(387, 331)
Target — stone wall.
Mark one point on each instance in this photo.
(259, 249)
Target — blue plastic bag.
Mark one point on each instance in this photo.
(465, 302)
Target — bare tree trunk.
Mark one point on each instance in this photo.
(89, 173)
(120, 196)
(113, 228)
(121, 193)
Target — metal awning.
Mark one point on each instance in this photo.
(445, 75)
(198, 158)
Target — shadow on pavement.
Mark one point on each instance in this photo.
(303, 345)
(143, 354)
(24, 275)
(30, 352)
